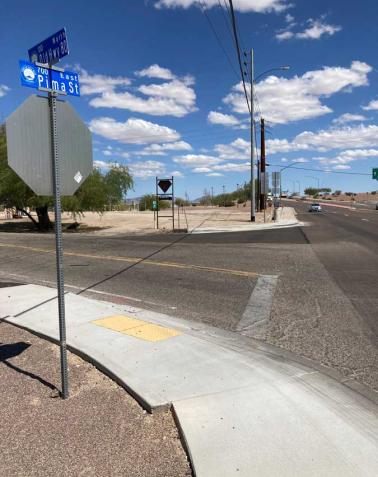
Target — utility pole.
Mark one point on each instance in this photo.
(263, 167)
(224, 195)
(253, 198)
(212, 196)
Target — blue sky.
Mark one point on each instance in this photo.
(160, 94)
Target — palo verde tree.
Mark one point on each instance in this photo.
(95, 194)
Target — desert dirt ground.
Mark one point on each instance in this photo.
(139, 223)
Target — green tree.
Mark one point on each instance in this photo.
(95, 194)
(311, 191)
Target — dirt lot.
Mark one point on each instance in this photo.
(99, 431)
(111, 223)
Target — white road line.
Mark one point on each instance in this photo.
(257, 311)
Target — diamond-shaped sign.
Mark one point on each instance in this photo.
(29, 146)
(165, 184)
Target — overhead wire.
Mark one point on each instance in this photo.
(203, 9)
(234, 28)
(326, 171)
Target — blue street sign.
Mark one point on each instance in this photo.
(38, 77)
(50, 50)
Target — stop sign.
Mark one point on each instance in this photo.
(29, 146)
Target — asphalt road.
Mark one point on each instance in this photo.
(207, 277)
(346, 242)
(324, 305)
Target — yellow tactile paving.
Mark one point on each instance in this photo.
(150, 332)
(118, 322)
(136, 328)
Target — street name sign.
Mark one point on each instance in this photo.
(29, 146)
(375, 173)
(63, 82)
(50, 50)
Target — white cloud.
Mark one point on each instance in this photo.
(215, 174)
(260, 6)
(355, 138)
(156, 71)
(162, 149)
(300, 160)
(289, 18)
(145, 169)
(315, 30)
(286, 100)
(373, 105)
(103, 164)
(176, 97)
(225, 119)
(341, 167)
(98, 84)
(201, 169)
(176, 174)
(274, 146)
(233, 167)
(236, 150)
(357, 153)
(350, 137)
(349, 118)
(3, 90)
(133, 131)
(111, 151)
(196, 160)
(284, 35)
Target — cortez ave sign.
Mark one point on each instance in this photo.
(39, 77)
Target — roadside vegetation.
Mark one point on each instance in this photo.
(98, 193)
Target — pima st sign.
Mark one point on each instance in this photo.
(50, 50)
(66, 82)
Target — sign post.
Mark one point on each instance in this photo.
(59, 247)
(165, 185)
(50, 148)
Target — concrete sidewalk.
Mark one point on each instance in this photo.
(242, 408)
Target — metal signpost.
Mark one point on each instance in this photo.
(46, 138)
(165, 185)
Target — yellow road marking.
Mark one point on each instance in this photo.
(136, 328)
(229, 271)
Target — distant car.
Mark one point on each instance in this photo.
(315, 208)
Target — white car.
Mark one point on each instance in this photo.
(315, 207)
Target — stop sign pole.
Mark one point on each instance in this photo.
(50, 147)
(59, 246)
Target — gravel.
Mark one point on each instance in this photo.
(99, 431)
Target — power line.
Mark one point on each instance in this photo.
(203, 8)
(323, 170)
(233, 21)
(226, 20)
